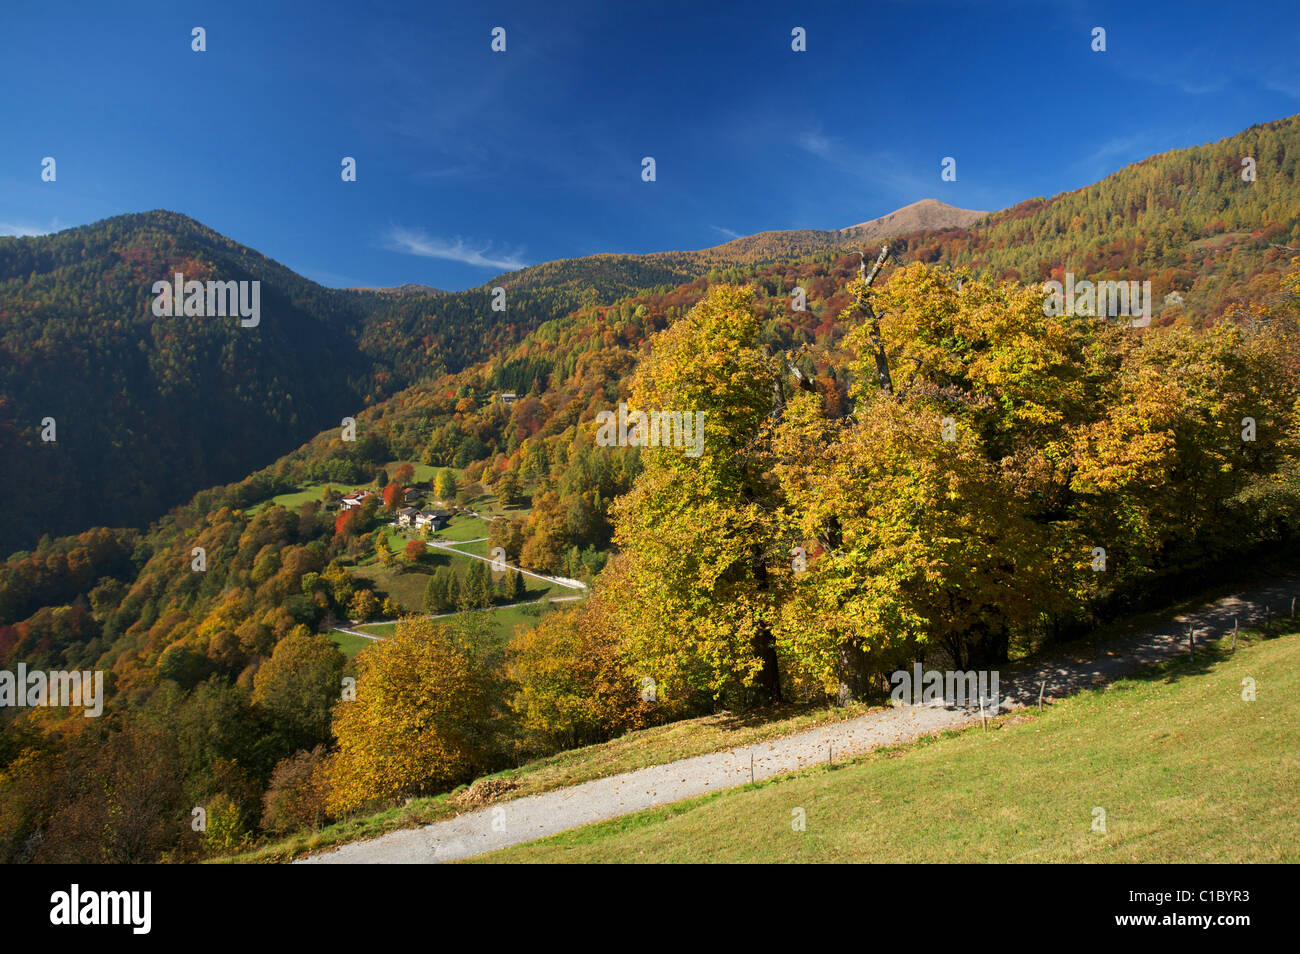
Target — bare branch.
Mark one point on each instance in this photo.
(799, 378)
(883, 377)
(880, 261)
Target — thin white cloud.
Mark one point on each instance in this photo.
(1118, 147)
(1117, 152)
(817, 144)
(1279, 84)
(8, 229)
(419, 242)
(881, 168)
(727, 232)
(462, 171)
(1201, 87)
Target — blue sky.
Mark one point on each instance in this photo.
(472, 162)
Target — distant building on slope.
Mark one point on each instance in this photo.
(354, 500)
(435, 520)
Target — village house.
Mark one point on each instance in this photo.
(354, 500)
(435, 520)
(406, 516)
(508, 398)
(411, 496)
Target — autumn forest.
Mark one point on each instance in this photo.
(375, 550)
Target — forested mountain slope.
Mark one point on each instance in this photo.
(149, 410)
(569, 368)
(1203, 221)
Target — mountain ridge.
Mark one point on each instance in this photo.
(770, 245)
(148, 401)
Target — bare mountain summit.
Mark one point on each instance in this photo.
(926, 215)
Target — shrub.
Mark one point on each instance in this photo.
(423, 718)
(226, 832)
(574, 688)
(298, 794)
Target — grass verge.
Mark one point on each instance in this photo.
(1183, 767)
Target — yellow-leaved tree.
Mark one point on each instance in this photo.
(1005, 476)
(575, 682)
(700, 523)
(424, 718)
(927, 511)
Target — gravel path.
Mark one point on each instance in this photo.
(480, 609)
(450, 547)
(1071, 673)
(537, 816)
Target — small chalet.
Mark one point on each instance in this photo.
(508, 398)
(411, 496)
(406, 516)
(354, 500)
(433, 519)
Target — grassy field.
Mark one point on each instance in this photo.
(423, 472)
(461, 528)
(503, 622)
(489, 505)
(406, 587)
(296, 498)
(406, 583)
(1184, 768)
(402, 581)
(293, 499)
(382, 630)
(630, 752)
(478, 548)
(349, 644)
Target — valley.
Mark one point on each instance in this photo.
(512, 574)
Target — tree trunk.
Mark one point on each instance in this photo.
(768, 683)
(855, 677)
(769, 677)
